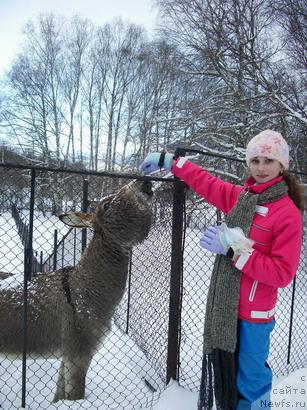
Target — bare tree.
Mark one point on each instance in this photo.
(34, 112)
(77, 41)
(231, 42)
(50, 41)
(291, 16)
(117, 61)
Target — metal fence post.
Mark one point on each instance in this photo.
(55, 249)
(129, 292)
(84, 209)
(75, 244)
(291, 320)
(175, 281)
(28, 256)
(41, 261)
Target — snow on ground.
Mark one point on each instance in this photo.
(287, 392)
(11, 248)
(43, 230)
(290, 391)
(117, 389)
(115, 380)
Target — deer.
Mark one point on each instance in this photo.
(70, 310)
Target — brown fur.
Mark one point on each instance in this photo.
(70, 310)
(297, 191)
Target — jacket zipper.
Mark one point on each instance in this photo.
(253, 291)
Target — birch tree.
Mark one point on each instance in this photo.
(34, 110)
(120, 44)
(76, 43)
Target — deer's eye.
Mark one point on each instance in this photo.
(105, 205)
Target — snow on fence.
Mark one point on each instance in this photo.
(157, 329)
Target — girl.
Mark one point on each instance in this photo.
(258, 251)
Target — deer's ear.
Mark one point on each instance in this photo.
(77, 219)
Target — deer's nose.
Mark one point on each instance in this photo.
(147, 187)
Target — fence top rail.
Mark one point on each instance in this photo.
(86, 172)
(215, 155)
(124, 175)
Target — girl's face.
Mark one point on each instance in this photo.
(264, 169)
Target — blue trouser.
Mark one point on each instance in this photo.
(254, 376)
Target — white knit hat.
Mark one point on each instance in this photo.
(268, 144)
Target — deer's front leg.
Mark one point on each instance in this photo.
(75, 369)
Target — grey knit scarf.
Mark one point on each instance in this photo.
(220, 330)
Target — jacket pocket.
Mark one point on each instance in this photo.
(253, 291)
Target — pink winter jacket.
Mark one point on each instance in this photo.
(277, 232)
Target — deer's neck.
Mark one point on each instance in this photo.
(100, 279)
(103, 259)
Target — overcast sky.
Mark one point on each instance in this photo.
(15, 13)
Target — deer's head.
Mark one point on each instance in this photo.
(124, 217)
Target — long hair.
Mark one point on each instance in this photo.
(296, 191)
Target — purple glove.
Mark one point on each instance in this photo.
(151, 163)
(211, 240)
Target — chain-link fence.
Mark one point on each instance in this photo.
(157, 327)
